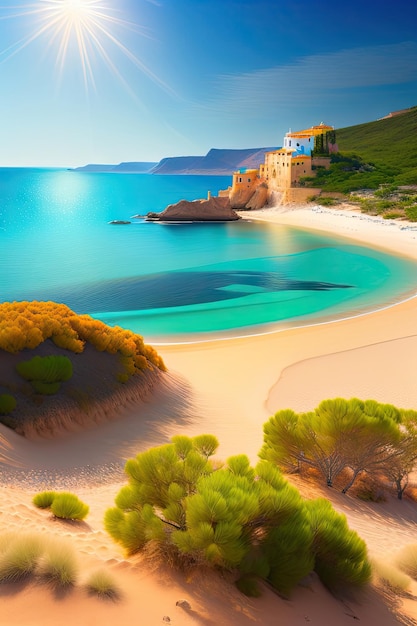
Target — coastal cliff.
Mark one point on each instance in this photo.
(129, 167)
(216, 162)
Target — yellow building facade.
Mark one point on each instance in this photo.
(283, 168)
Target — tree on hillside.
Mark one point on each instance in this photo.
(372, 440)
(403, 458)
(249, 520)
(337, 435)
(293, 440)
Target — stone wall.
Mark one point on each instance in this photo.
(300, 194)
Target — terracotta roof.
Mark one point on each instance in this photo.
(311, 132)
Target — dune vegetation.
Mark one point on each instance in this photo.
(192, 510)
(34, 555)
(58, 363)
(406, 560)
(232, 516)
(102, 584)
(344, 439)
(62, 504)
(28, 324)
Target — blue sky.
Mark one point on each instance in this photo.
(178, 77)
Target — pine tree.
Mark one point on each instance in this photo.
(247, 520)
(339, 434)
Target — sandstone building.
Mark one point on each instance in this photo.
(283, 169)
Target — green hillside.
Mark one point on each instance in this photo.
(378, 153)
(389, 144)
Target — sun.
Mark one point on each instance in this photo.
(75, 8)
(93, 27)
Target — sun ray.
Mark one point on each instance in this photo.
(88, 26)
(113, 68)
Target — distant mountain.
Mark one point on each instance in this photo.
(216, 162)
(140, 167)
(179, 165)
(134, 167)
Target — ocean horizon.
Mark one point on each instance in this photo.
(177, 282)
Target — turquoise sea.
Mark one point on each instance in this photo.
(177, 282)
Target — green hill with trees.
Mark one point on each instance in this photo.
(390, 143)
(372, 155)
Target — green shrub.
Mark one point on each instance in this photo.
(46, 389)
(233, 516)
(49, 369)
(7, 403)
(340, 554)
(21, 557)
(325, 201)
(102, 584)
(339, 436)
(382, 205)
(46, 373)
(58, 565)
(68, 506)
(385, 191)
(249, 586)
(44, 499)
(411, 213)
(393, 215)
(406, 560)
(63, 504)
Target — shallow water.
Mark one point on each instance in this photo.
(173, 282)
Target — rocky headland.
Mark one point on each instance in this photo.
(215, 209)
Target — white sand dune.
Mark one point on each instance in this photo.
(228, 388)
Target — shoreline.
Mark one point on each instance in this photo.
(260, 380)
(246, 375)
(215, 336)
(229, 389)
(345, 221)
(333, 222)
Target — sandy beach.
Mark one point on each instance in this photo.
(228, 388)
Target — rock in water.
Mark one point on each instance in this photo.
(216, 209)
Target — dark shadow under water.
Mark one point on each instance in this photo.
(175, 289)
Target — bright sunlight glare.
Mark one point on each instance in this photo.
(90, 25)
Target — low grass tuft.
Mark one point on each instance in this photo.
(406, 560)
(69, 506)
(44, 499)
(326, 201)
(102, 584)
(58, 565)
(20, 559)
(390, 576)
